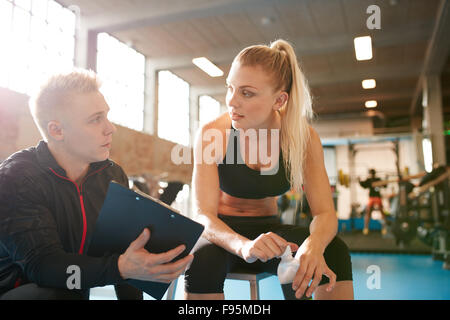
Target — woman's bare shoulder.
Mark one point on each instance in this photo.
(222, 122)
(217, 126)
(313, 137)
(213, 129)
(314, 146)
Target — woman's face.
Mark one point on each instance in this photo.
(251, 98)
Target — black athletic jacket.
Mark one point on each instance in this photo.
(46, 221)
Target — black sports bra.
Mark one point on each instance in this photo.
(238, 180)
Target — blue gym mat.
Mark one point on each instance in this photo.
(401, 277)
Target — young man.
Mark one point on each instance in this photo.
(51, 195)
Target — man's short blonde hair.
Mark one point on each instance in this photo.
(47, 103)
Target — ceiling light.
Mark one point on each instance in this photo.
(265, 21)
(207, 66)
(371, 104)
(369, 83)
(363, 48)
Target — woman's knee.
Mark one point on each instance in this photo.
(339, 246)
(208, 270)
(338, 259)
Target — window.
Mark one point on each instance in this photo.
(427, 154)
(38, 39)
(173, 108)
(122, 71)
(329, 154)
(209, 109)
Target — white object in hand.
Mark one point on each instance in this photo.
(288, 267)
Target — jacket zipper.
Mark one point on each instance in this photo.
(80, 196)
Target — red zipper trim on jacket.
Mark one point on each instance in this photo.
(83, 211)
(17, 283)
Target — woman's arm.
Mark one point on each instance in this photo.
(205, 182)
(323, 227)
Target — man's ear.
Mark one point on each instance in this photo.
(281, 100)
(55, 130)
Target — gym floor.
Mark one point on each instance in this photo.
(401, 277)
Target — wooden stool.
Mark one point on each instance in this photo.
(252, 277)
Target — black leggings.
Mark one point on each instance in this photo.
(211, 263)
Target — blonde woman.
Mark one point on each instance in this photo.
(235, 195)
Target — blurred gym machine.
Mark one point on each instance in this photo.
(424, 211)
(156, 187)
(434, 229)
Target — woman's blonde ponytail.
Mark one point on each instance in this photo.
(295, 116)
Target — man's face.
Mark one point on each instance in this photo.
(86, 128)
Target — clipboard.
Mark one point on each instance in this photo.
(123, 217)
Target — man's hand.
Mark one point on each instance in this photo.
(138, 263)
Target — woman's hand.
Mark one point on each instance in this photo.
(312, 267)
(267, 246)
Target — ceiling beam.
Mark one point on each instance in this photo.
(364, 96)
(380, 113)
(384, 117)
(377, 72)
(437, 51)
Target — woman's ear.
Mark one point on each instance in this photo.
(281, 100)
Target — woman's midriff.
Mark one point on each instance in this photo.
(232, 206)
